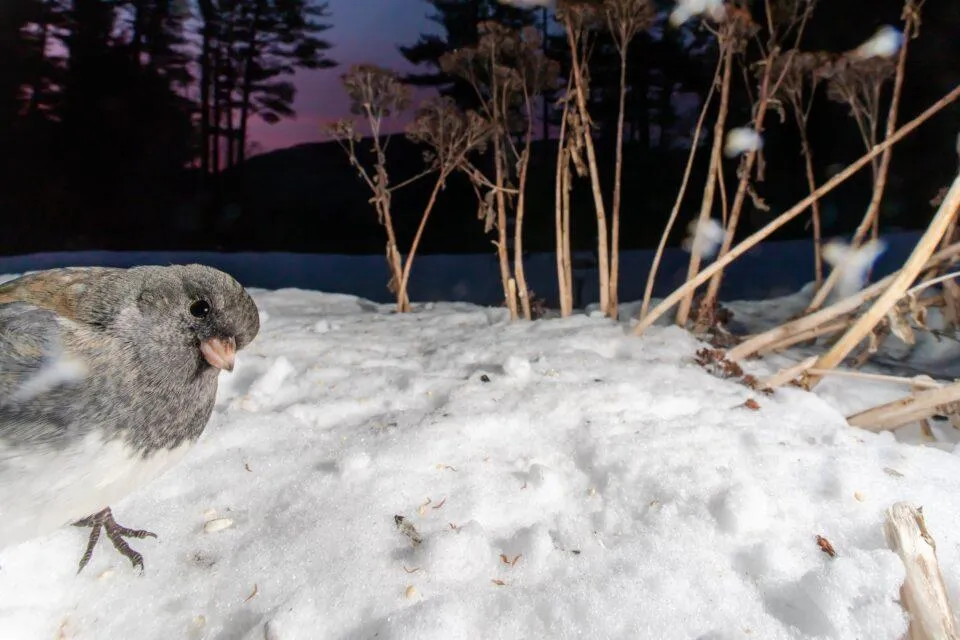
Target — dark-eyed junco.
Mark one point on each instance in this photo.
(107, 377)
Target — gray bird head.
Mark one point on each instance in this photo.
(182, 316)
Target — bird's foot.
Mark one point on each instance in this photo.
(116, 533)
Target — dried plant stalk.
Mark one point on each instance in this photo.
(578, 18)
(694, 145)
(789, 17)
(760, 235)
(798, 90)
(727, 45)
(562, 217)
(625, 19)
(915, 382)
(907, 274)
(377, 94)
(895, 414)
(923, 594)
(782, 336)
(507, 70)
(451, 136)
(807, 334)
(875, 80)
(787, 374)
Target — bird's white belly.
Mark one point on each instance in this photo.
(43, 490)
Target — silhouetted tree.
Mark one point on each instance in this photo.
(249, 52)
(460, 21)
(125, 131)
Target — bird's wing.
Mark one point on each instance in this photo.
(26, 334)
(32, 363)
(57, 290)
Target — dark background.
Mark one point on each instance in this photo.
(126, 125)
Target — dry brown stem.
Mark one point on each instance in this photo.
(694, 145)
(729, 42)
(807, 326)
(782, 19)
(579, 19)
(625, 19)
(562, 217)
(451, 136)
(904, 277)
(376, 94)
(798, 90)
(507, 70)
(859, 83)
(903, 411)
(760, 235)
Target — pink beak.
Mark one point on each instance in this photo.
(219, 353)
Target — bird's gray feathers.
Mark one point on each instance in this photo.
(114, 351)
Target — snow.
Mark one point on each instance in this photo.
(555, 479)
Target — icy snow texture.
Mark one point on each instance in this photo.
(567, 480)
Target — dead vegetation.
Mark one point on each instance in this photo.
(760, 43)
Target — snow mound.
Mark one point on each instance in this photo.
(554, 479)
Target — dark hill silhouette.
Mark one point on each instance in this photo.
(308, 198)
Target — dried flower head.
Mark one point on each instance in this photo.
(375, 91)
(449, 132)
(626, 18)
(343, 130)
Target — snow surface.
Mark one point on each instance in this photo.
(564, 479)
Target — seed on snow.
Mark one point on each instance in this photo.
(217, 524)
(410, 591)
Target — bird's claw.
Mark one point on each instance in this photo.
(116, 533)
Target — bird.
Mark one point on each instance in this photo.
(108, 376)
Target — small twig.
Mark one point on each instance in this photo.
(929, 283)
(694, 145)
(786, 375)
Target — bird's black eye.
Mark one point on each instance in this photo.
(200, 309)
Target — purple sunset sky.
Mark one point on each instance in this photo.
(363, 31)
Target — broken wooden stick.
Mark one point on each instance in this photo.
(916, 382)
(787, 374)
(923, 593)
(808, 334)
(904, 278)
(913, 408)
